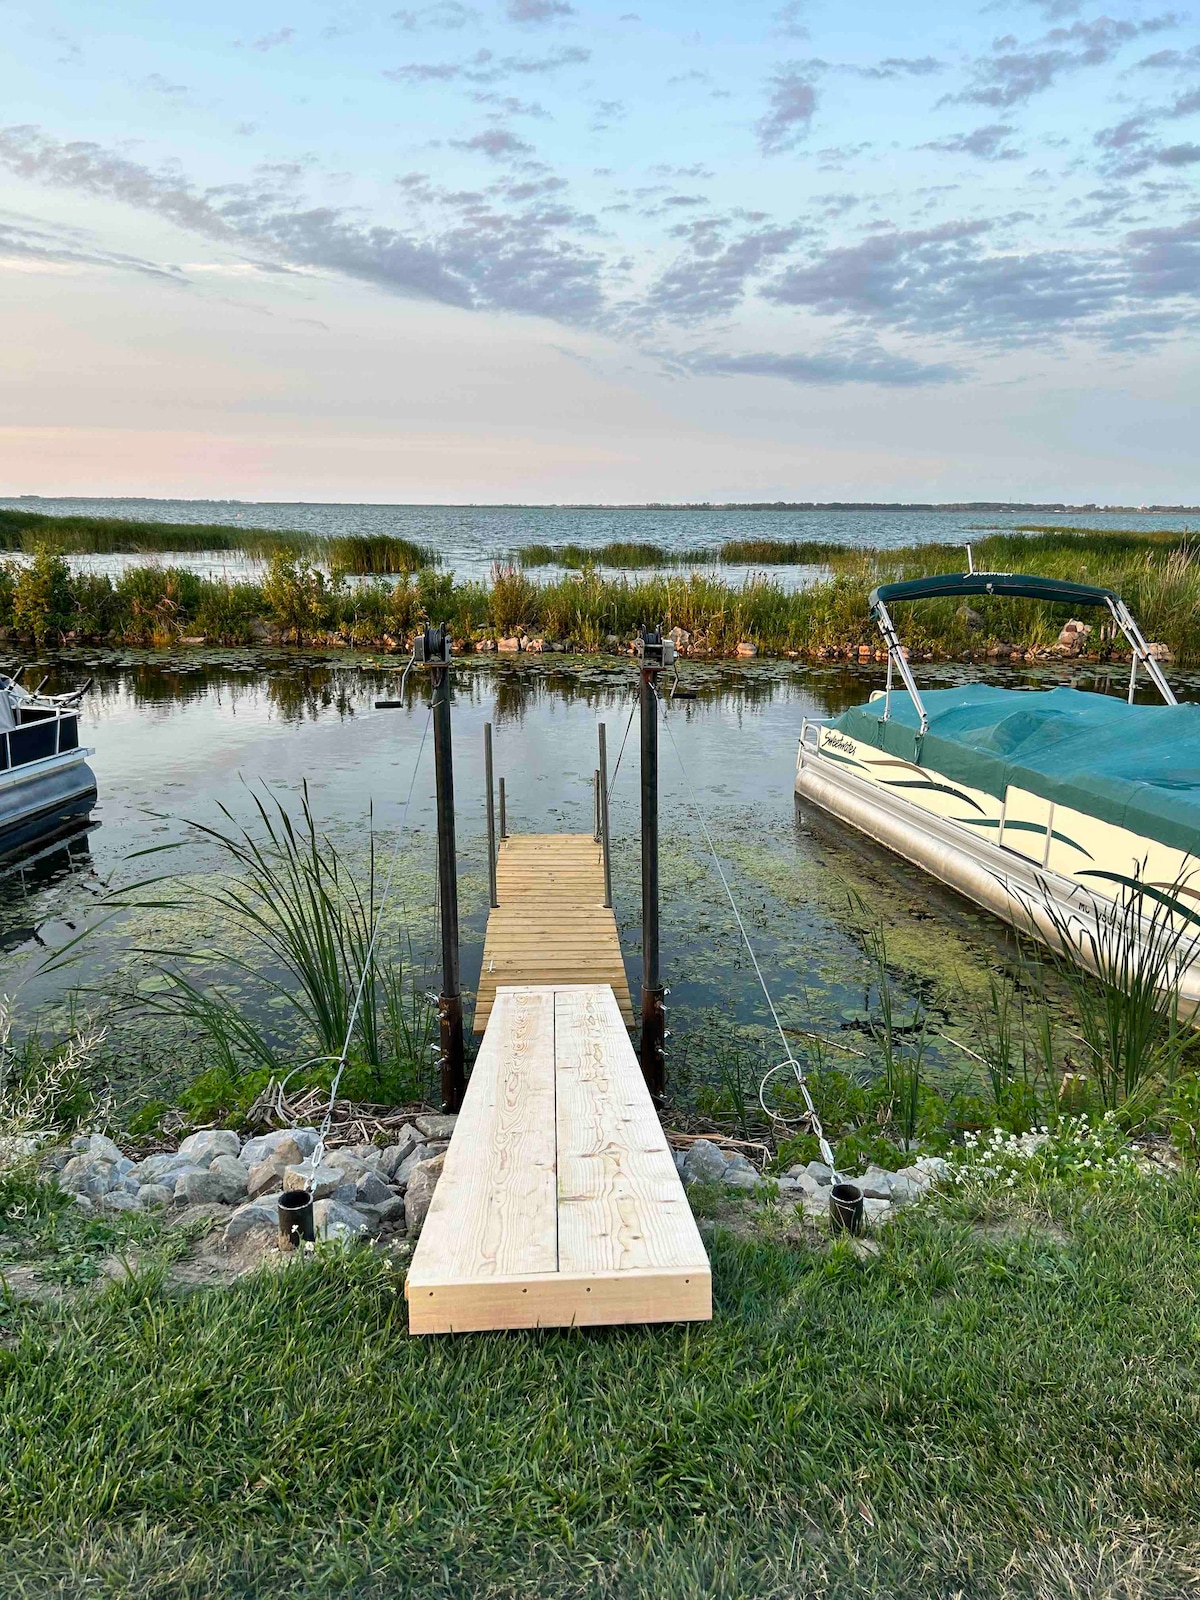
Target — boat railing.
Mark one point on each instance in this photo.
(49, 734)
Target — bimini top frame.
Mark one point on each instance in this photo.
(1018, 584)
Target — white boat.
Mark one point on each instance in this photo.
(1075, 816)
(45, 780)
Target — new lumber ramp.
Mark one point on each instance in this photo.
(559, 1204)
(551, 925)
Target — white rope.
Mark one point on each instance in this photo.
(612, 782)
(797, 1069)
(319, 1150)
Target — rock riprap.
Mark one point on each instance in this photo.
(359, 1191)
(807, 1187)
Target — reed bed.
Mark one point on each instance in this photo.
(306, 602)
(27, 532)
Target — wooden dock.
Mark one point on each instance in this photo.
(559, 1203)
(551, 925)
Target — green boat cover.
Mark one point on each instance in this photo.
(1136, 766)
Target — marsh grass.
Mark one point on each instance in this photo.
(30, 531)
(299, 600)
(1126, 998)
(306, 921)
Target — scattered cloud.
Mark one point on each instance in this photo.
(448, 14)
(947, 281)
(157, 84)
(867, 363)
(537, 10)
(486, 67)
(1013, 73)
(710, 275)
(788, 19)
(272, 41)
(792, 103)
(523, 260)
(987, 143)
(498, 144)
(40, 246)
(901, 67)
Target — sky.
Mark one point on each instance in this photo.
(550, 251)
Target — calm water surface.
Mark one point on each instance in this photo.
(179, 737)
(469, 538)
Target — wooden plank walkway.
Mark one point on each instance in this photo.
(551, 925)
(559, 1204)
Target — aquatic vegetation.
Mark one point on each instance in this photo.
(312, 959)
(1158, 574)
(42, 601)
(29, 531)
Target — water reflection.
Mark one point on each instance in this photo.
(178, 735)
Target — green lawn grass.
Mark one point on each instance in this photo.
(1003, 1401)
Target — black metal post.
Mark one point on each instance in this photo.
(596, 805)
(653, 1012)
(503, 813)
(604, 816)
(491, 813)
(450, 999)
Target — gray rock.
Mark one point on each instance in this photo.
(436, 1147)
(266, 1144)
(936, 1166)
(421, 1184)
(875, 1184)
(739, 1163)
(680, 1157)
(87, 1174)
(371, 1190)
(154, 1196)
(436, 1126)
(99, 1145)
(234, 1173)
(819, 1171)
(203, 1147)
(335, 1220)
(198, 1188)
(266, 1176)
(118, 1200)
(704, 1163)
(251, 1218)
(410, 1163)
(905, 1190)
(740, 1178)
(122, 1167)
(407, 1141)
(84, 1204)
(56, 1160)
(392, 1209)
(163, 1168)
(320, 1183)
(923, 1180)
(129, 1184)
(876, 1212)
(346, 1193)
(371, 1156)
(348, 1163)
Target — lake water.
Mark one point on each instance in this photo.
(178, 736)
(469, 538)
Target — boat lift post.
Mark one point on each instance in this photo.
(654, 654)
(433, 649)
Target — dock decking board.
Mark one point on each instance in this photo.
(559, 1204)
(551, 924)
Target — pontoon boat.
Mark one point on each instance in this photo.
(45, 780)
(1075, 816)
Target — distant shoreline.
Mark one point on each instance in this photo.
(1007, 507)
